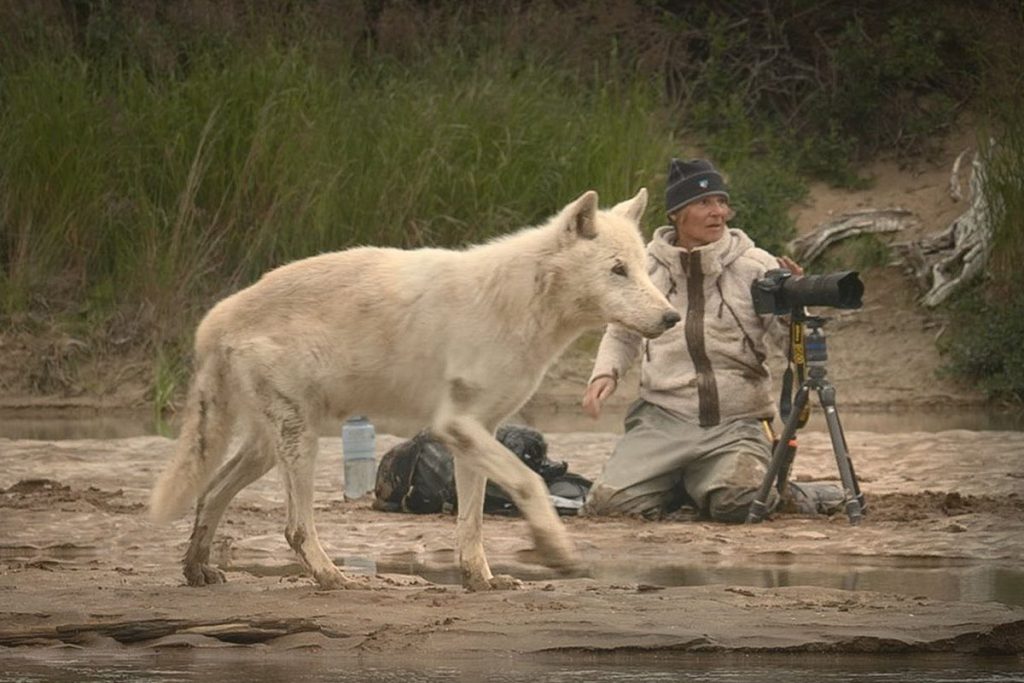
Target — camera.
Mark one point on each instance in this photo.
(779, 291)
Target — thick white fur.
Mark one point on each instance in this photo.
(457, 340)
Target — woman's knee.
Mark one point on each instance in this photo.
(605, 500)
(731, 504)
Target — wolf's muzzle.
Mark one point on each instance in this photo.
(670, 319)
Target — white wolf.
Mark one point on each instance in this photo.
(457, 340)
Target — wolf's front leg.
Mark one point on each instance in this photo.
(482, 453)
(471, 486)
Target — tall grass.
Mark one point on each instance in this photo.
(174, 188)
(1003, 161)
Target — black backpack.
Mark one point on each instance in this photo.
(418, 476)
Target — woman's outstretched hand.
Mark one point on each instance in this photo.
(596, 393)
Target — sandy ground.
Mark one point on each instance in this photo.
(935, 566)
(83, 567)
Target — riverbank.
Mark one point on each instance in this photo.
(83, 567)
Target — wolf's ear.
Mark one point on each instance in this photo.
(634, 208)
(581, 216)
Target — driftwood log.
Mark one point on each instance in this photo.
(131, 632)
(808, 247)
(953, 257)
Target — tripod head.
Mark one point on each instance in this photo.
(807, 355)
(813, 349)
(800, 316)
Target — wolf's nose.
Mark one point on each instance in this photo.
(670, 319)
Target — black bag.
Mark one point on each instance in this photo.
(418, 476)
(567, 492)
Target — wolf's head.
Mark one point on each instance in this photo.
(605, 264)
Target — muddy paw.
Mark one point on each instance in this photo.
(204, 575)
(336, 580)
(475, 583)
(502, 582)
(563, 560)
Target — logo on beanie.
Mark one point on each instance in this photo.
(703, 183)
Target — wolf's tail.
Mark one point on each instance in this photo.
(205, 435)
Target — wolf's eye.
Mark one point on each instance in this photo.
(620, 269)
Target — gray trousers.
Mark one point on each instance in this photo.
(663, 455)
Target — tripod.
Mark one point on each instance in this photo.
(816, 354)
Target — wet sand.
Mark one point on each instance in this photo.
(83, 567)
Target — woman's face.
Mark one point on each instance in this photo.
(702, 221)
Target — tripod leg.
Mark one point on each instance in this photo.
(851, 489)
(854, 483)
(782, 479)
(856, 489)
(782, 456)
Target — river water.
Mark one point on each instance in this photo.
(247, 666)
(97, 425)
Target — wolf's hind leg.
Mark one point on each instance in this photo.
(471, 486)
(252, 461)
(296, 455)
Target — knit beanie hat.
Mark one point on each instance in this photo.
(690, 180)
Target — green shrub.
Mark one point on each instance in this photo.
(860, 252)
(985, 342)
(984, 346)
(887, 83)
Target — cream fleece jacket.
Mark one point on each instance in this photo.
(711, 367)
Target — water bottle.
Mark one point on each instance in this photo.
(359, 447)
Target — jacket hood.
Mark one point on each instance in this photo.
(714, 257)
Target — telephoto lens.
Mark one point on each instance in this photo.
(779, 291)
